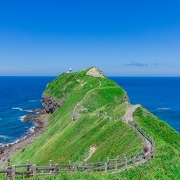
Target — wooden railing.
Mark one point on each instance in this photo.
(110, 165)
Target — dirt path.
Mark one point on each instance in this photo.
(74, 113)
(91, 152)
(128, 117)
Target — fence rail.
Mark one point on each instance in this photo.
(110, 165)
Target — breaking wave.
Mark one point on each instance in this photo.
(20, 109)
(21, 118)
(164, 108)
(29, 132)
(17, 108)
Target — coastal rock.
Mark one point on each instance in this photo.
(34, 117)
(50, 104)
(28, 117)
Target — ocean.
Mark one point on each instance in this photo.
(19, 95)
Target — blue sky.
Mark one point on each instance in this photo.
(121, 38)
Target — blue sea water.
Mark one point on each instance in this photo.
(19, 95)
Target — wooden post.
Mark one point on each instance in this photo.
(99, 163)
(34, 170)
(50, 163)
(13, 172)
(27, 163)
(28, 167)
(85, 165)
(92, 167)
(116, 165)
(56, 169)
(76, 167)
(99, 160)
(125, 161)
(106, 167)
(133, 160)
(118, 159)
(107, 160)
(70, 167)
(140, 159)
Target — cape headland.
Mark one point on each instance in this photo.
(89, 117)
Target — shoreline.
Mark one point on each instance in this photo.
(8, 150)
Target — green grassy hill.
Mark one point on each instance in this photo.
(65, 139)
(98, 104)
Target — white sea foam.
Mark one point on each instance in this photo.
(29, 110)
(35, 100)
(32, 129)
(164, 108)
(4, 137)
(22, 118)
(20, 109)
(17, 108)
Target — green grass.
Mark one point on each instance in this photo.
(65, 140)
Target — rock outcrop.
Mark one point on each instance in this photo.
(50, 104)
(36, 116)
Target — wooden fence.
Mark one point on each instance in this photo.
(110, 165)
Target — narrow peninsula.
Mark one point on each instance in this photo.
(90, 120)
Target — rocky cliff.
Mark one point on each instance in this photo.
(50, 104)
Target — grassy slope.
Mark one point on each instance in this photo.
(165, 164)
(64, 140)
(111, 137)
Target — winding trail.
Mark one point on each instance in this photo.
(127, 118)
(137, 160)
(74, 113)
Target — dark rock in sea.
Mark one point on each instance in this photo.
(50, 104)
(28, 117)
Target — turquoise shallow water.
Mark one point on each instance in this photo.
(19, 95)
